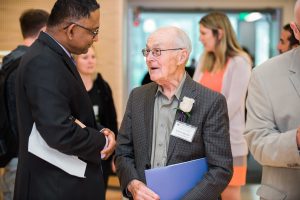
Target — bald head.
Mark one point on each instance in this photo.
(167, 51)
(297, 10)
(296, 25)
(173, 36)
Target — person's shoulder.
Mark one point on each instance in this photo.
(145, 88)
(277, 63)
(205, 98)
(240, 58)
(240, 61)
(101, 82)
(14, 54)
(204, 92)
(43, 53)
(41, 59)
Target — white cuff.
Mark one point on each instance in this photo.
(106, 144)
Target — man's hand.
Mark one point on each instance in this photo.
(111, 143)
(140, 191)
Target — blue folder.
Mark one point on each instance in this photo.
(172, 182)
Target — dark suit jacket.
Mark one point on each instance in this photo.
(209, 115)
(50, 90)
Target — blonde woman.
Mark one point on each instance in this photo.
(225, 68)
(101, 97)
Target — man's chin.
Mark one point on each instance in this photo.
(80, 51)
(158, 80)
(84, 51)
(153, 78)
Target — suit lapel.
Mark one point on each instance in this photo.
(295, 71)
(187, 91)
(72, 68)
(149, 111)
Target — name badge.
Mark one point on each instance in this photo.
(184, 131)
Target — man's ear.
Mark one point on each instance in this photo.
(183, 57)
(295, 30)
(70, 31)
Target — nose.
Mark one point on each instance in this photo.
(279, 46)
(149, 56)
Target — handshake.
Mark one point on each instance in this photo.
(110, 140)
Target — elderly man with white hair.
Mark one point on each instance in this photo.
(147, 138)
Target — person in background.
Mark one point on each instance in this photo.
(145, 140)
(287, 40)
(32, 22)
(273, 122)
(61, 146)
(225, 68)
(101, 97)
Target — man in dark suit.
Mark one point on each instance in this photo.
(147, 137)
(32, 22)
(53, 106)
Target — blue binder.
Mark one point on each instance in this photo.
(174, 181)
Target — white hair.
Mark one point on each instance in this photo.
(181, 39)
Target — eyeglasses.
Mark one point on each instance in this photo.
(157, 51)
(94, 33)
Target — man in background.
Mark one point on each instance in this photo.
(55, 110)
(273, 122)
(287, 39)
(32, 22)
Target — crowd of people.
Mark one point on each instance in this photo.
(62, 113)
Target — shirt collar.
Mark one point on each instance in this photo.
(67, 52)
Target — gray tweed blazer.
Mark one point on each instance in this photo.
(209, 115)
